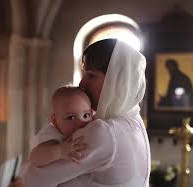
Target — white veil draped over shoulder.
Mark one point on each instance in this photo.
(124, 84)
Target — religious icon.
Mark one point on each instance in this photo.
(174, 82)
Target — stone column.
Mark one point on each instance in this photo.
(35, 91)
(36, 100)
(43, 91)
(17, 60)
(27, 92)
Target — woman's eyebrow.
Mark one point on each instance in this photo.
(89, 71)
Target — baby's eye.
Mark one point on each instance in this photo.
(87, 115)
(71, 117)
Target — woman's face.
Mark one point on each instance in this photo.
(92, 83)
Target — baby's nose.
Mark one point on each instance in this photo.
(81, 123)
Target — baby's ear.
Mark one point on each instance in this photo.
(53, 119)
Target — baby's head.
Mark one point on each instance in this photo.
(71, 109)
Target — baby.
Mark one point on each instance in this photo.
(71, 110)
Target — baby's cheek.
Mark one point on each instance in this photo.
(63, 130)
(71, 130)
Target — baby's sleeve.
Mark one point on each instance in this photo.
(47, 133)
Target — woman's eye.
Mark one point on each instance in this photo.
(90, 75)
(87, 115)
(71, 118)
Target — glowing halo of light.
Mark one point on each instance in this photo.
(91, 25)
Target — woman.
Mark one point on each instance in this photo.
(118, 155)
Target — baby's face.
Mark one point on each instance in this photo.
(72, 113)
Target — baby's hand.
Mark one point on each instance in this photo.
(78, 149)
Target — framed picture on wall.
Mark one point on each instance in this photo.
(174, 82)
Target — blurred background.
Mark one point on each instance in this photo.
(41, 42)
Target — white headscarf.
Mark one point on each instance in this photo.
(124, 84)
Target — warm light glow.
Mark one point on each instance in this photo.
(188, 171)
(188, 148)
(76, 78)
(123, 34)
(93, 24)
(129, 38)
(120, 34)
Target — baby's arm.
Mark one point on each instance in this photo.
(102, 148)
(48, 152)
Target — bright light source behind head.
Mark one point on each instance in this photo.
(129, 38)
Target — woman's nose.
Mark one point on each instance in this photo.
(82, 83)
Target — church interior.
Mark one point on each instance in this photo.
(41, 42)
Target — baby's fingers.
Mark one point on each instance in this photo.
(77, 156)
(75, 160)
(79, 147)
(78, 140)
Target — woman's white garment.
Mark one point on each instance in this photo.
(118, 154)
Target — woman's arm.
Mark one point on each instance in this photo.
(100, 154)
